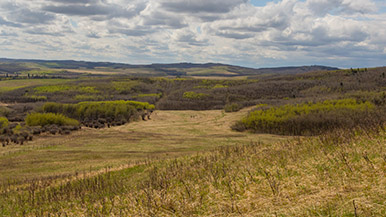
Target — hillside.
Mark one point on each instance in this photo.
(14, 66)
(337, 174)
(105, 141)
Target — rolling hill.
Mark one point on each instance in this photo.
(26, 66)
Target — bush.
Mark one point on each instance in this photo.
(111, 110)
(194, 95)
(312, 118)
(234, 107)
(43, 119)
(3, 122)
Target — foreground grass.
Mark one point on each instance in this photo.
(339, 174)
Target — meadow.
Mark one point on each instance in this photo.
(113, 144)
(337, 174)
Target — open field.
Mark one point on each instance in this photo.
(167, 134)
(186, 160)
(337, 174)
(9, 85)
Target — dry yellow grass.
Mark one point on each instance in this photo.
(167, 134)
(337, 174)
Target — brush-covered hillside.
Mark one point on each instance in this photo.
(66, 68)
(106, 139)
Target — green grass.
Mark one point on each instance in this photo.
(216, 70)
(9, 85)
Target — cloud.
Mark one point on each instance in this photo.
(19, 14)
(322, 7)
(153, 16)
(338, 32)
(8, 23)
(199, 6)
(28, 16)
(98, 10)
(5, 33)
(188, 37)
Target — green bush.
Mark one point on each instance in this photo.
(43, 119)
(234, 107)
(52, 89)
(194, 95)
(311, 118)
(3, 122)
(4, 111)
(114, 110)
(88, 97)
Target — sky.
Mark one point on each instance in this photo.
(252, 33)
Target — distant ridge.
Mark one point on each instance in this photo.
(213, 69)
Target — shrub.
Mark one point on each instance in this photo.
(311, 118)
(43, 119)
(83, 97)
(4, 111)
(111, 110)
(194, 95)
(234, 107)
(3, 122)
(36, 97)
(52, 89)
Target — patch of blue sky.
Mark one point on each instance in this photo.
(381, 6)
(73, 23)
(260, 3)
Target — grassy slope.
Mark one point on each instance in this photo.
(8, 85)
(341, 174)
(168, 134)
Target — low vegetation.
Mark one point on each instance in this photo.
(194, 95)
(98, 114)
(190, 163)
(3, 122)
(337, 174)
(312, 118)
(234, 107)
(44, 119)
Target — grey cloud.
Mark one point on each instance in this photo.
(318, 37)
(323, 7)
(131, 31)
(235, 35)
(158, 18)
(100, 10)
(247, 23)
(79, 10)
(93, 35)
(28, 16)
(42, 31)
(4, 33)
(73, 1)
(199, 6)
(190, 38)
(8, 23)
